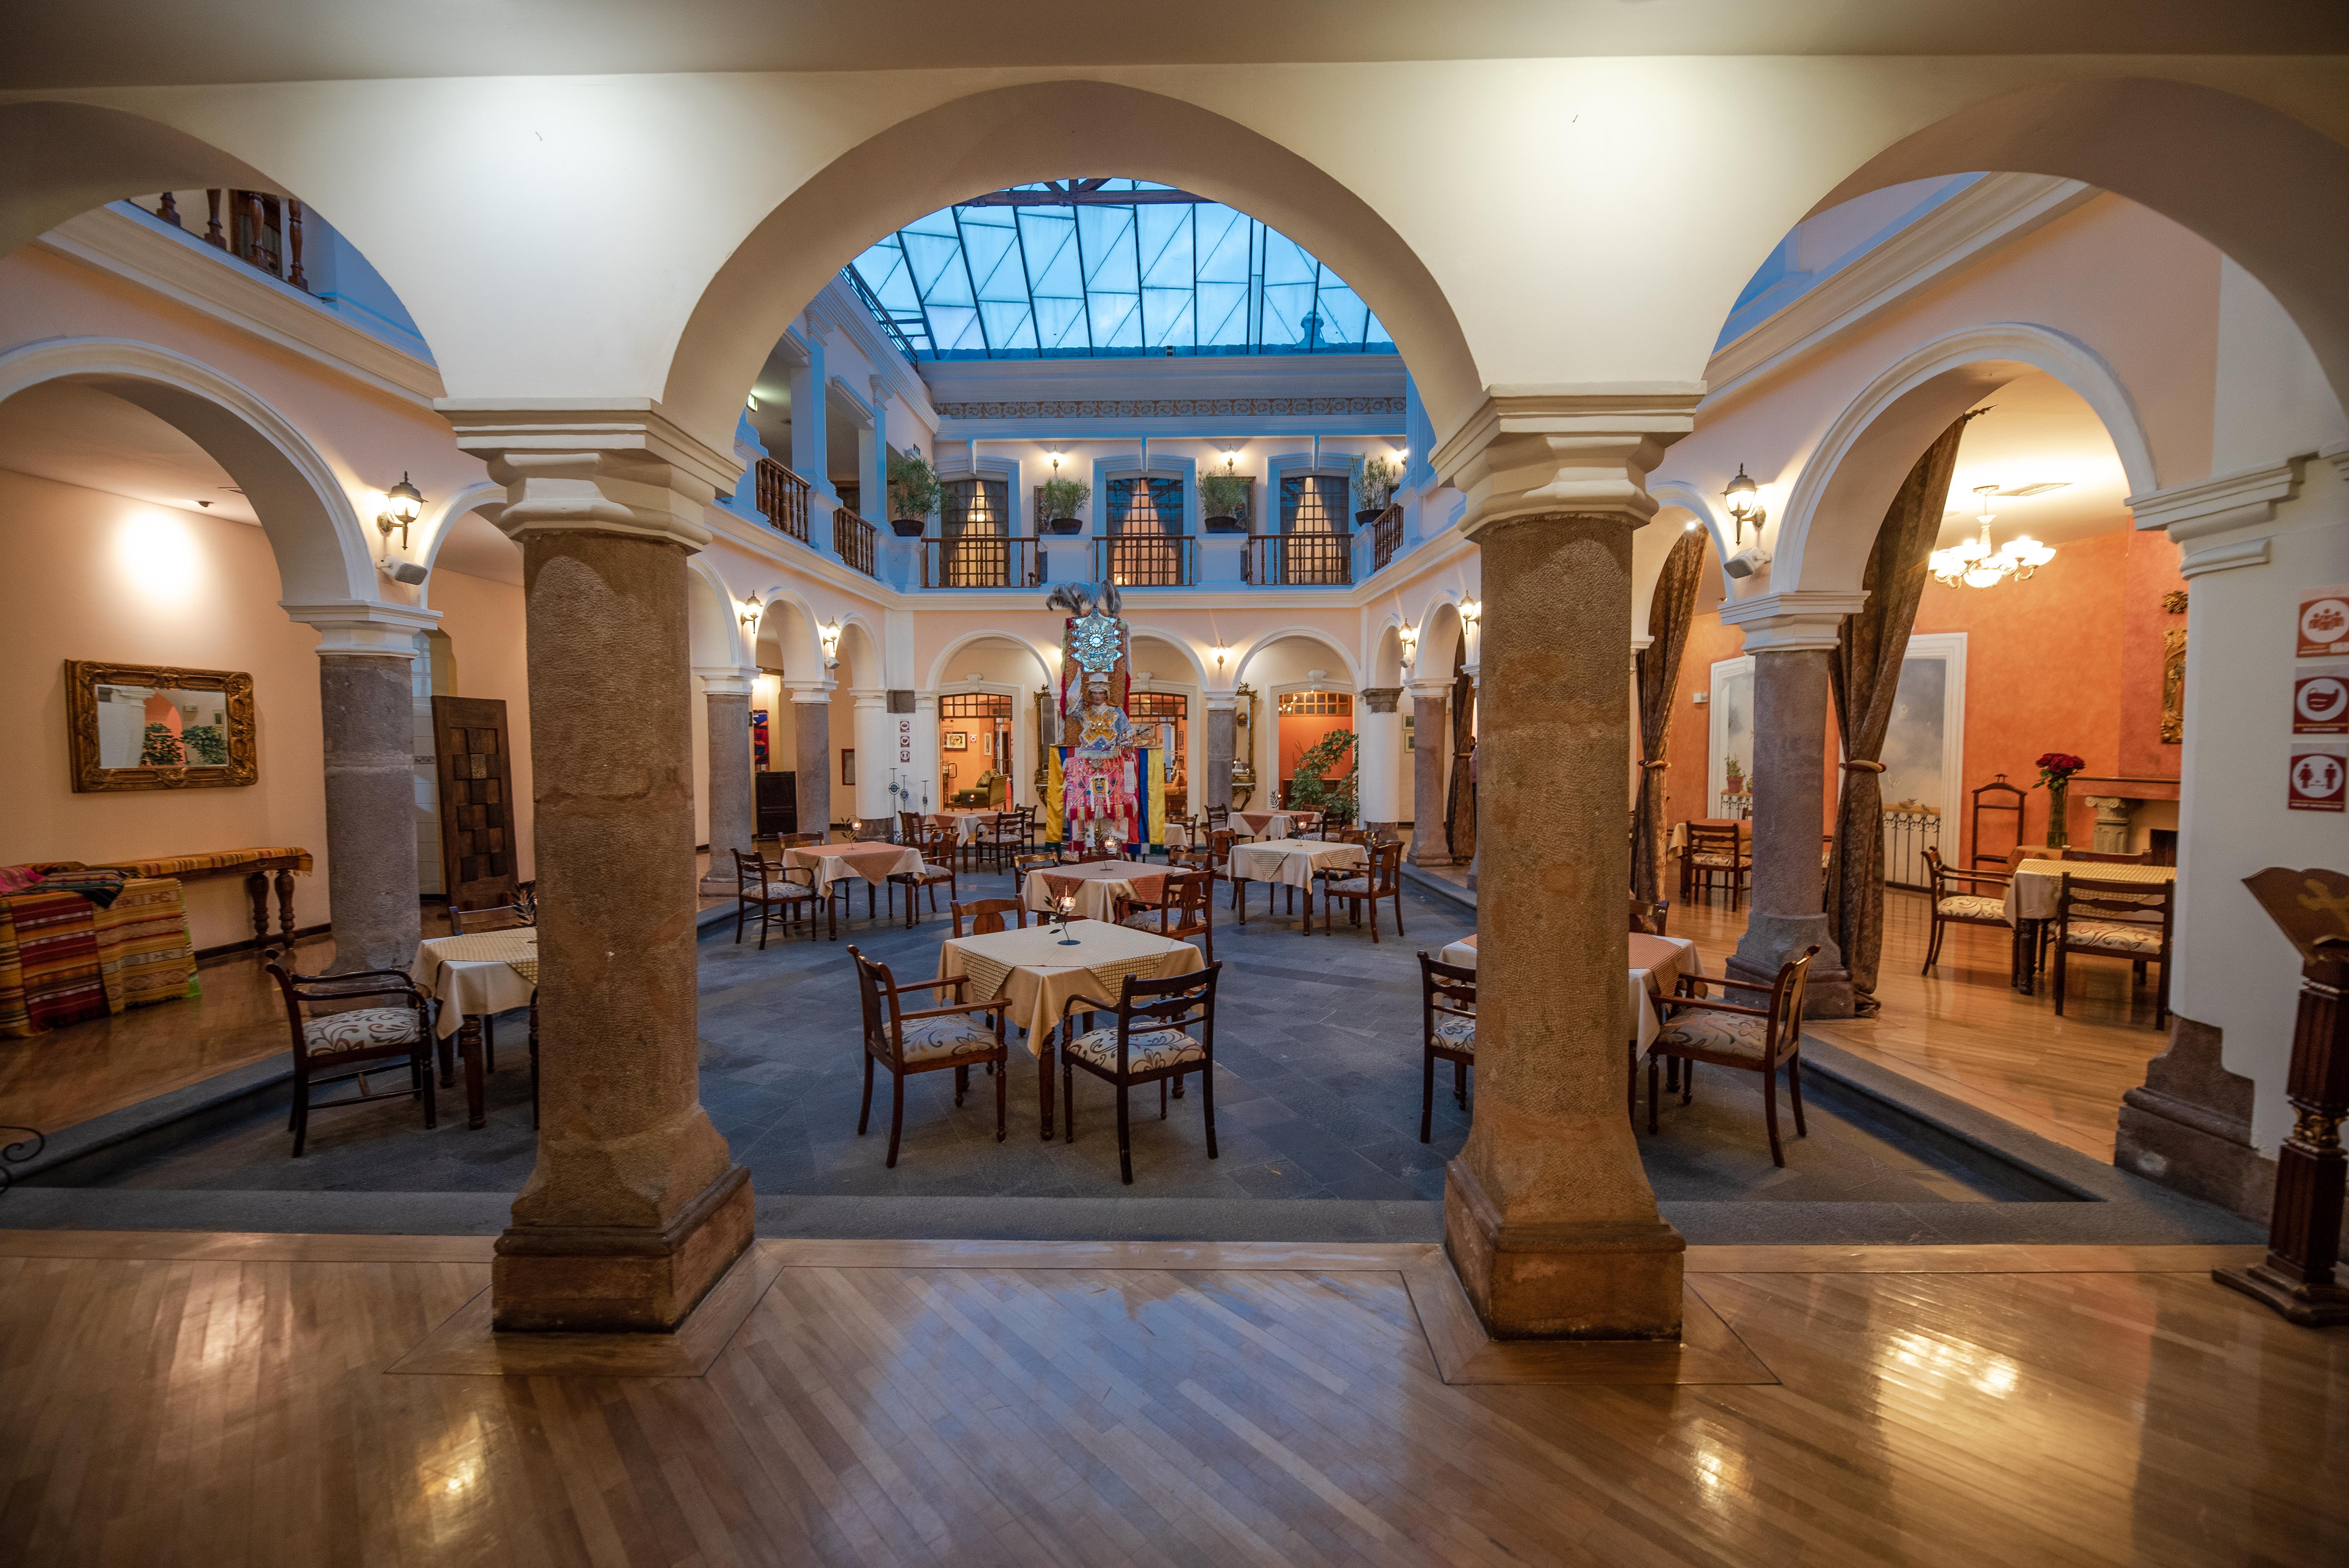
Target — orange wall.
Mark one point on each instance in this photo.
(1300, 734)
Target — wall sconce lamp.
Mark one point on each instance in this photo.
(1056, 465)
(1471, 609)
(1744, 499)
(1230, 454)
(403, 504)
(750, 611)
(1222, 653)
(829, 635)
(1409, 638)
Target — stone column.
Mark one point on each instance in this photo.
(876, 752)
(733, 811)
(1431, 760)
(926, 774)
(1789, 905)
(1475, 765)
(367, 703)
(1548, 1217)
(1378, 744)
(636, 1207)
(2112, 835)
(1216, 777)
(812, 753)
(810, 457)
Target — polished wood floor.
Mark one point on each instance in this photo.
(226, 1399)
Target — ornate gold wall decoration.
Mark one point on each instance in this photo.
(2173, 685)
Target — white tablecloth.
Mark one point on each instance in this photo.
(1099, 883)
(1036, 975)
(970, 826)
(2031, 895)
(477, 987)
(1262, 826)
(876, 863)
(1292, 860)
(1643, 984)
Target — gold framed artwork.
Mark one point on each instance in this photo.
(955, 740)
(153, 726)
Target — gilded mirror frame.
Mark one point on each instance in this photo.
(83, 676)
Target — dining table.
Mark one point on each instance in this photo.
(1099, 887)
(2031, 896)
(874, 861)
(1036, 969)
(1657, 962)
(473, 978)
(1290, 862)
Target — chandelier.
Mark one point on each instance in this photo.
(1977, 565)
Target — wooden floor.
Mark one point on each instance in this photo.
(225, 1399)
(1965, 1031)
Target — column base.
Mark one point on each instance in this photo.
(719, 887)
(2188, 1126)
(2310, 1305)
(1602, 1279)
(614, 1279)
(1772, 939)
(1430, 857)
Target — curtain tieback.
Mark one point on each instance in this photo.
(1655, 764)
(1862, 767)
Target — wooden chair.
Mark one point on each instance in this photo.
(1447, 1007)
(1150, 1042)
(332, 1047)
(1647, 919)
(2001, 798)
(1754, 1039)
(1958, 901)
(2107, 858)
(2117, 920)
(1185, 909)
(989, 915)
(1382, 878)
(1218, 819)
(911, 827)
(1713, 855)
(767, 886)
(924, 1041)
(1031, 860)
(512, 917)
(937, 847)
(1083, 856)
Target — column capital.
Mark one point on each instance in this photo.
(873, 700)
(1793, 621)
(2225, 521)
(596, 466)
(726, 680)
(1430, 689)
(1382, 700)
(811, 691)
(363, 628)
(1564, 451)
(1221, 701)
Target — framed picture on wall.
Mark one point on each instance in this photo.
(848, 765)
(149, 727)
(955, 740)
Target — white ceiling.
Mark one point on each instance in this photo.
(78, 434)
(2038, 430)
(171, 42)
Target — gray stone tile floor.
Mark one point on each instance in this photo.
(1317, 1096)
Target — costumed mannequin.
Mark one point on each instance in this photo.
(1101, 782)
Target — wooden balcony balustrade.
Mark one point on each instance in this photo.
(1386, 537)
(981, 561)
(783, 499)
(852, 540)
(263, 230)
(1299, 561)
(1145, 561)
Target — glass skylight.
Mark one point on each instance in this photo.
(1066, 270)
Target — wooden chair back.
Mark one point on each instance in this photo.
(1647, 919)
(498, 916)
(1993, 796)
(1444, 988)
(1086, 855)
(877, 988)
(1189, 907)
(2107, 858)
(1715, 839)
(1786, 1026)
(1176, 1001)
(1385, 869)
(989, 915)
(302, 991)
(798, 840)
(1035, 860)
(1219, 847)
(2137, 904)
(1218, 818)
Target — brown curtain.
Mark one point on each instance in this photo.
(1460, 823)
(1864, 678)
(1669, 614)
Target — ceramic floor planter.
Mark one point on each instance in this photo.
(906, 527)
(1065, 525)
(1223, 525)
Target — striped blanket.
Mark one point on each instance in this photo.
(63, 960)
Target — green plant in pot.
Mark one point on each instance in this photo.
(1063, 499)
(1310, 791)
(914, 492)
(1226, 498)
(1375, 489)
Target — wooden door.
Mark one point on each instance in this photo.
(473, 762)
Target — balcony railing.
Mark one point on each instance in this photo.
(1299, 560)
(1145, 561)
(782, 501)
(261, 231)
(852, 540)
(1386, 537)
(981, 561)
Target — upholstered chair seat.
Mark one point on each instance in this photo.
(1718, 1034)
(1970, 906)
(962, 1035)
(364, 1029)
(2116, 936)
(1146, 1051)
(1454, 1032)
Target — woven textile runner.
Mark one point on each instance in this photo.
(218, 860)
(518, 949)
(48, 963)
(144, 952)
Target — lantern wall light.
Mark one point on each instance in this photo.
(1744, 501)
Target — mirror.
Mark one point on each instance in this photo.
(145, 727)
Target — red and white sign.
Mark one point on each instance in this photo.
(904, 740)
(2320, 701)
(2318, 778)
(2323, 626)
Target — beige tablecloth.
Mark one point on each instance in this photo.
(1657, 962)
(1099, 885)
(876, 863)
(1292, 860)
(2031, 895)
(1036, 975)
(970, 826)
(478, 975)
(1262, 826)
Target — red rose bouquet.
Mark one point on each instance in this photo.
(2057, 766)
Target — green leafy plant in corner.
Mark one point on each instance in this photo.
(1312, 789)
(1376, 487)
(913, 487)
(206, 744)
(1065, 498)
(160, 748)
(1225, 495)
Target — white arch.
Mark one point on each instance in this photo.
(939, 665)
(870, 665)
(324, 553)
(1386, 651)
(1178, 641)
(432, 530)
(1848, 528)
(1312, 633)
(1687, 498)
(1441, 628)
(713, 622)
(809, 653)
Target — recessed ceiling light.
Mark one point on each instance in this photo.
(2041, 487)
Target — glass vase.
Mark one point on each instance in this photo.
(2057, 790)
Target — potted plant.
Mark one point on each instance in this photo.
(1375, 489)
(1225, 496)
(914, 492)
(2056, 770)
(1063, 499)
(1312, 789)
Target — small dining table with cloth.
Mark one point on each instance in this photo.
(1036, 974)
(1100, 886)
(1657, 964)
(474, 977)
(2031, 895)
(1290, 862)
(874, 861)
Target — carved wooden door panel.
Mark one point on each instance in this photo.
(474, 764)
